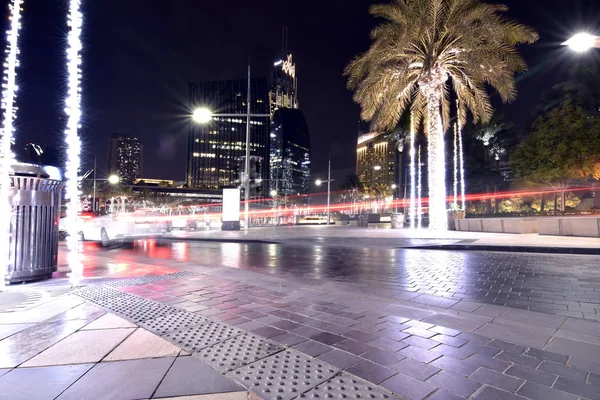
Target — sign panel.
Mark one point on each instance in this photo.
(231, 205)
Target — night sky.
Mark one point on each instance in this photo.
(141, 54)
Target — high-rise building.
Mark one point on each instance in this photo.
(376, 160)
(289, 171)
(283, 87)
(216, 150)
(125, 157)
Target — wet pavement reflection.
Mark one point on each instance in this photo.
(558, 284)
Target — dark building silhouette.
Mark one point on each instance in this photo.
(125, 157)
(290, 169)
(216, 149)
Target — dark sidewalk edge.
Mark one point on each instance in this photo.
(217, 240)
(512, 249)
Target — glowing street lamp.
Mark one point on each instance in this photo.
(318, 182)
(582, 42)
(113, 179)
(202, 115)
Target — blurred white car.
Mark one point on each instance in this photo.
(110, 227)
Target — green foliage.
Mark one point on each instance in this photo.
(460, 45)
(564, 145)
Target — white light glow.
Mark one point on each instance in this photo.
(114, 179)
(461, 163)
(6, 156)
(582, 42)
(432, 88)
(455, 198)
(411, 205)
(202, 115)
(377, 167)
(72, 141)
(419, 193)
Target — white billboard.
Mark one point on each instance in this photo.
(231, 205)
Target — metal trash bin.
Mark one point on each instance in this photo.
(35, 198)
(363, 220)
(397, 221)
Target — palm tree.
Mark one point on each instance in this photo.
(423, 50)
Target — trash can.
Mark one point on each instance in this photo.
(363, 220)
(35, 198)
(397, 221)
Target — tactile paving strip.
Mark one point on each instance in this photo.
(146, 313)
(201, 336)
(284, 375)
(98, 293)
(346, 386)
(237, 352)
(136, 309)
(150, 279)
(173, 322)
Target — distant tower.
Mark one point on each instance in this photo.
(125, 157)
(283, 85)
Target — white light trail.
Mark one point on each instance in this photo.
(9, 93)
(411, 210)
(455, 199)
(461, 162)
(419, 193)
(72, 141)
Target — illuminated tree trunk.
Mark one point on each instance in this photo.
(438, 219)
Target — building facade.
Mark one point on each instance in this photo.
(216, 150)
(283, 86)
(376, 160)
(290, 169)
(125, 157)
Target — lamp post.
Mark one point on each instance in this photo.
(394, 191)
(204, 115)
(113, 180)
(329, 180)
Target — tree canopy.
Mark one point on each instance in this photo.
(564, 145)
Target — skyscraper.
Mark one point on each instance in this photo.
(290, 170)
(216, 150)
(283, 87)
(125, 157)
(376, 160)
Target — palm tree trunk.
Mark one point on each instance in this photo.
(436, 163)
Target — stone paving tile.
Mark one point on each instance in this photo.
(527, 361)
(496, 379)
(8, 330)
(531, 375)
(81, 347)
(353, 346)
(109, 321)
(491, 393)
(268, 331)
(361, 335)
(419, 354)
(415, 369)
(382, 357)
(458, 353)
(585, 365)
(327, 338)
(524, 336)
(288, 339)
(393, 334)
(454, 383)
(387, 344)
(120, 380)
(533, 318)
(563, 370)
(407, 386)
(23, 345)
(142, 344)
(449, 340)
(515, 348)
(306, 331)
(442, 394)
(480, 360)
(465, 323)
(579, 389)
(419, 332)
(423, 343)
(547, 355)
(572, 348)
(340, 359)
(535, 391)
(371, 372)
(312, 348)
(188, 376)
(454, 365)
(43, 383)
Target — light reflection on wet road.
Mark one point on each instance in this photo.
(549, 283)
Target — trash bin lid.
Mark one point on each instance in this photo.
(33, 170)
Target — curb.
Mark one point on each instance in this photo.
(512, 249)
(216, 240)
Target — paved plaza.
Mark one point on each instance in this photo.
(303, 319)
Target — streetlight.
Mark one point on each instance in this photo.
(582, 42)
(318, 182)
(394, 187)
(203, 115)
(113, 179)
